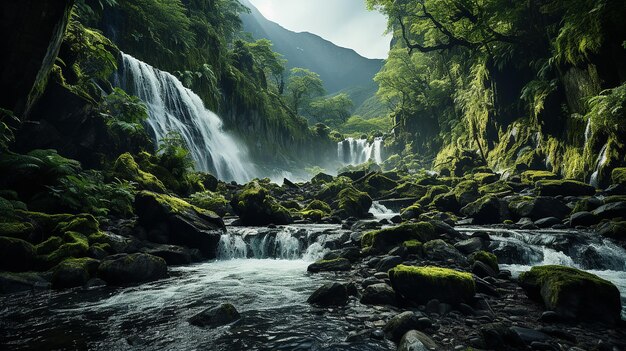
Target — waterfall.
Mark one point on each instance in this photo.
(287, 243)
(588, 132)
(381, 212)
(357, 151)
(602, 158)
(172, 107)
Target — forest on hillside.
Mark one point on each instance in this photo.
(169, 180)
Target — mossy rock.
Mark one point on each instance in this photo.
(618, 175)
(322, 178)
(466, 192)
(446, 203)
(564, 187)
(486, 210)
(19, 230)
(412, 212)
(439, 250)
(534, 176)
(432, 192)
(75, 245)
(487, 258)
(409, 189)
(422, 284)
(291, 205)
(498, 187)
(573, 293)
(384, 239)
(49, 246)
(210, 201)
(126, 168)
(255, 206)
(377, 184)
(354, 203)
(73, 272)
(16, 255)
(84, 223)
(538, 208)
(486, 178)
(330, 191)
(132, 269)
(337, 264)
(413, 247)
(313, 215)
(318, 205)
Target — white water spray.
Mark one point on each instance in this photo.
(172, 107)
(356, 151)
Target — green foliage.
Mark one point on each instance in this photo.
(210, 201)
(356, 125)
(302, 86)
(125, 115)
(88, 192)
(332, 110)
(608, 111)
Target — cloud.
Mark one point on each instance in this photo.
(346, 23)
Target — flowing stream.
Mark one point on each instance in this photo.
(174, 108)
(520, 250)
(357, 151)
(261, 271)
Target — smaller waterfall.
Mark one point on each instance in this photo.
(381, 212)
(357, 151)
(287, 243)
(172, 107)
(588, 132)
(602, 158)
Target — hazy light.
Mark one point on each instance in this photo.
(346, 23)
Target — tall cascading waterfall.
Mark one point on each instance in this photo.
(356, 151)
(174, 108)
(602, 158)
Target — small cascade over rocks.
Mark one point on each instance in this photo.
(602, 158)
(381, 212)
(287, 243)
(357, 151)
(174, 108)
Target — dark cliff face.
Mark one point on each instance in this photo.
(31, 35)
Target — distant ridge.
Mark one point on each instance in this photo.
(341, 69)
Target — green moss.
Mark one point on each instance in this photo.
(497, 187)
(618, 175)
(466, 192)
(126, 168)
(409, 189)
(572, 292)
(412, 212)
(354, 203)
(174, 205)
(47, 223)
(291, 205)
(210, 201)
(319, 205)
(432, 192)
(314, 215)
(485, 178)
(534, 176)
(413, 247)
(329, 191)
(383, 239)
(421, 284)
(85, 223)
(20, 230)
(487, 258)
(564, 187)
(255, 206)
(614, 198)
(377, 184)
(48, 246)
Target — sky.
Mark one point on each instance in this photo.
(346, 23)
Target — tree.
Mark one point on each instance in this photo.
(332, 110)
(272, 63)
(302, 86)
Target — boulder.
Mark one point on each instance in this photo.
(583, 218)
(379, 294)
(73, 272)
(16, 255)
(482, 270)
(470, 245)
(573, 293)
(466, 192)
(354, 203)
(172, 254)
(534, 176)
(135, 268)
(614, 230)
(400, 324)
(16, 282)
(385, 239)
(547, 222)
(422, 284)
(255, 206)
(329, 294)
(179, 222)
(322, 178)
(564, 187)
(611, 210)
(486, 210)
(125, 167)
(388, 262)
(415, 340)
(618, 176)
(216, 316)
(487, 258)
(439, 250)
(338, 264)
(538, 208)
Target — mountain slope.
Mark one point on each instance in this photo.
(339, 68)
